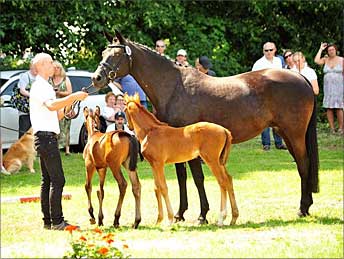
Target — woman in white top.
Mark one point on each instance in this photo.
(306, 71)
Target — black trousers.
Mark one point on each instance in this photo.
(53, 179)
(24, 124)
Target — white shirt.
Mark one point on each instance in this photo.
(112, 127)
(263, 63)
(25, 79)
(107, 113)
(42, 119)
(307, 72)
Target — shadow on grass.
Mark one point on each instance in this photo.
(271, 223)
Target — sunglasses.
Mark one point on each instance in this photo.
(287, 56)
(160, 46)
(267, 50)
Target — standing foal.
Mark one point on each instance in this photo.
(161, 144)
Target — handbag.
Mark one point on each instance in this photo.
(19, 101)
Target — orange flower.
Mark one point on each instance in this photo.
(109, 241)
(71, 228)
(125, 246)
(97, 230)
(110, 235)
(103, 250)
(82, 238)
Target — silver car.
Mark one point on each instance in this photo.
(78, 136)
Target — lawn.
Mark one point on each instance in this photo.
(267, 189)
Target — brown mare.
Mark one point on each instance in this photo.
(162, 144)
(245, 104)
(111, 149)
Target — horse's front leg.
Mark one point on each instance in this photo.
(122, 185)
(198, 177)
(161, 189)
(183, 198)
(136, 189)
(88, 188)
(100, 194)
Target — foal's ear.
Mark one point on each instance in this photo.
(85, 111)
(126, 98)
(137, 97)
(119, 37)
(97, 112)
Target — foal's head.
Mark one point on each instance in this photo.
(92, 121)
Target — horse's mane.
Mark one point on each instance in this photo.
(144, 110)
(148, 49)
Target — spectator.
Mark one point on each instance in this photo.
(130, 86)
(288, 58)
(63, 87)
(333, 84)
(160, 47)
(45, 112)
(26, 79)
(119, 124)
(110, 108)
(181, 59)
(306, 71)
(120, 104)
(269, 61)
(203, 64)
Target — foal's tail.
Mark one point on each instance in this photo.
(225, 150)
(312, 151)
(133, 152)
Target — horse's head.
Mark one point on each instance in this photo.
(92, 121)
(116, 61)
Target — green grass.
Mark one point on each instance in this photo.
(267, 189)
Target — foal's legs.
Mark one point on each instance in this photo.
(90, 169)
(122, 185)
(100, 194)
(161, 189)
(136, 189)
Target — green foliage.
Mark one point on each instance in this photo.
(230, 32)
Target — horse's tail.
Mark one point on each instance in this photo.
(133, 152)
(226, 148)
(312, 151)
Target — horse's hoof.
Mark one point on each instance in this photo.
(303, 214)
(202, 220)
(92, 221)
(116, 225)
(178, 218)
(136, 224)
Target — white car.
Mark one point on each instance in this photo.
(78, 136)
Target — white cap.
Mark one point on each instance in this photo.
(181, 52)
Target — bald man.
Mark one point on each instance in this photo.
(45, 112)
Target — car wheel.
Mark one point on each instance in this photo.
(82, 138)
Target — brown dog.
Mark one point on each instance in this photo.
(21, 153)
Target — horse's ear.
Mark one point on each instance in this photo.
(137, 97)
(85, 111)
(126, 97)
(119, 37)
(97, 112)
(108, 36)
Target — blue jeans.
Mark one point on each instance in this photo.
(266, 138)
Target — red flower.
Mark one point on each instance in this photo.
(97, 230)
(71, 228)
(82, 238)
(103, 250)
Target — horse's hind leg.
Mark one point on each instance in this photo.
(136, 189)
(90, 169)
(100, 194)
(122, 185)
(198, 177)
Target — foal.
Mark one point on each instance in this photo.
(111, 149)
(161, 144)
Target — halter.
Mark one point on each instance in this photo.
(76, 105)
(114, 69)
